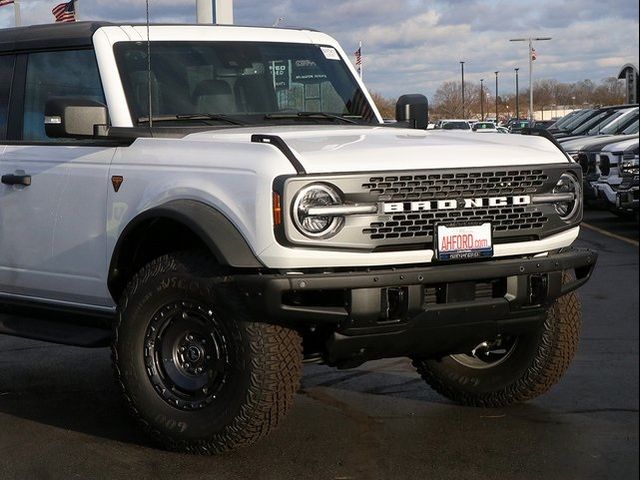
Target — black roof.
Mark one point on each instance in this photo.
(53, 35)
(60, 35)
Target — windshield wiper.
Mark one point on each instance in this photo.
(288, 115)
(192, 116)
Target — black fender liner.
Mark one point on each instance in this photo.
(212, 227)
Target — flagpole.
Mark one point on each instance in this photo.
(75, 7)
(530, 40)
(16, 11)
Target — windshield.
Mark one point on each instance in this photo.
(631, 129)
(484, 126)
(595, 121)
(456, 126)
(239, 82)
(565, 120)
(575, 122)
(616, 124)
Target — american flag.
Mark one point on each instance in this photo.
(358, 54)
(65, 12)
(533, 54)
(5, 2)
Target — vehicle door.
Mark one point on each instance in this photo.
(53, 192)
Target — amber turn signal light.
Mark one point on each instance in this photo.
(277, 209)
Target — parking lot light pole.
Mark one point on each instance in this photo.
(496, 72)
(462, 68)
(530, 40)
(517, 96)
(482, 99)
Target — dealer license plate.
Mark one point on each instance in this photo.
(464, 242)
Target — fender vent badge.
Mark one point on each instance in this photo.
(116, 181)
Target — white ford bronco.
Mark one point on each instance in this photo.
(220, 204)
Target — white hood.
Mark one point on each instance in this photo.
(327, 149)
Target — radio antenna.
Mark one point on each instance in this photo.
(149, 68)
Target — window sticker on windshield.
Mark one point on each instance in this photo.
(330, 53)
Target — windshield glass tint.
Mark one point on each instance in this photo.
(619, 124)
(240, 79)
(575, 122)
(565, 120)
(631, 129)
(456, 126)
(597, 120)
(609, 121)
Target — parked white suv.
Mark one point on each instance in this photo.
(608, 162)
(233, 203)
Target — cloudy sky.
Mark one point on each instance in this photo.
(412, 46)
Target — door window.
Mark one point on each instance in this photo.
(6, 75)
(72, 73)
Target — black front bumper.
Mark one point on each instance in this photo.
(424, 310)
(628, 199)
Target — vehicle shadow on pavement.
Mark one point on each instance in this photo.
(73, 388)
(65, 387)
(377, 421)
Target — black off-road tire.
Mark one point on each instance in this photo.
(536, 363)
(262, 362)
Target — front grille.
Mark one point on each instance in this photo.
(455, 185)
(586, 163)
(605, 165)
(589, 164)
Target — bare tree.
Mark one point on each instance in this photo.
(386, 106)
(447, 101)
(609, 92)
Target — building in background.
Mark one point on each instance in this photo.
(629, 73)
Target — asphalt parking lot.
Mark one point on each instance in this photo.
(61, 417)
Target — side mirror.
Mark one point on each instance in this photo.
(73, 117)
(414, 109)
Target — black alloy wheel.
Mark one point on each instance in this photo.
(187, 355)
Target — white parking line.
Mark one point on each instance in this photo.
(612, 235)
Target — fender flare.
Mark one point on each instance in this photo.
(215, 230)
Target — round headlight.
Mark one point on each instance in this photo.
(568, 184)
(317, 226)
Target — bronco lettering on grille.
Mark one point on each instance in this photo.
(428, 205)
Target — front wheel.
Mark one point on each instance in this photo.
(196, 371)
(510, 369)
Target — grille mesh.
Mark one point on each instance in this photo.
(455, 185)
(421, 225)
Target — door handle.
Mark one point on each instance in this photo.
(17, 180)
